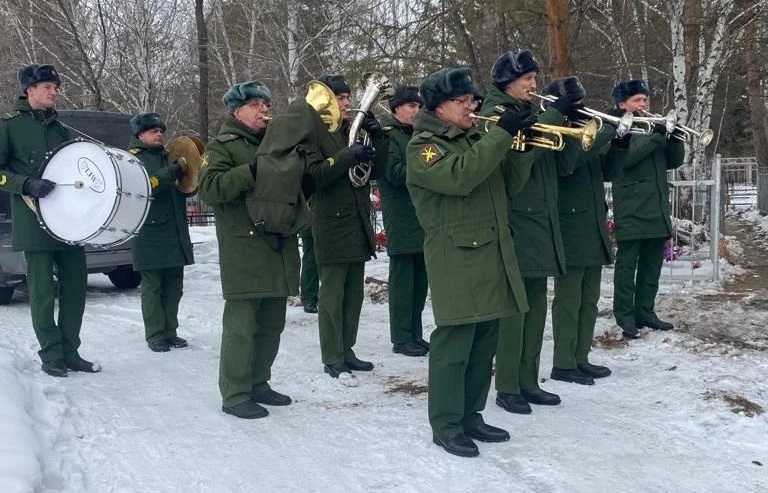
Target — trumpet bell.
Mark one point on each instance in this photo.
(188, 151)
(706, 137)
(323, 100)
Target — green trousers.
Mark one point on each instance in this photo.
(310, 280)
(407, 294)
(574, 313)
(249, 343)
(57, 340)
(520, 340)
(339, 304)
(636, 279)
(460, 367)
(161, 291)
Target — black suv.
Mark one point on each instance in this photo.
(114, 130)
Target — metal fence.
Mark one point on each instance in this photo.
(739, 177)
(198, 213)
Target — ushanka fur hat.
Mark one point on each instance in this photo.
(445, 84)
(404, 95)
(512, 65)
(337, 83)
(32, 74)
(146, 121)
(628, 88)
(565, 86)
(239, 94)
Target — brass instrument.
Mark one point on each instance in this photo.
(377, 87)
(188, 151)
(687, 133)
(323, 100)
(547, 136)
(645, 124)
(623, 124)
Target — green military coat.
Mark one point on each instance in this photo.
(163, 240)
(404, 233)
(640, 189)
(251, 265)
(458, 180)
(583, 211)
(26, 136)
(533, 212)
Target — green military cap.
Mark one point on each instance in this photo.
(445, 84)
(145, 121)
(238, 94)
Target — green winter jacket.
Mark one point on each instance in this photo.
(640, 189)
(404, 233)
(163, 240)
(533, 212)
(253, 265)
(26, 136)
(583, 211)
(457, 180)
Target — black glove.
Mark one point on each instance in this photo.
(575, 115)
(567, 103)
(254, 168)
(660, 128)
(513, 121)
(372, 126)
(363, 154)
(176, 170)
(621, 142)
(37, 188)
(677, 137)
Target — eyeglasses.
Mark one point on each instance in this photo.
(469, 103)
(258, 103)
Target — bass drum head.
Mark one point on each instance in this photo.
(85, 194)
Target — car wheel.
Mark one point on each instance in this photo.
(125, 278)
(6, 293)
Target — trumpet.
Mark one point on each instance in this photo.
(623, 124)
(682, 132)
(645, 124)
(546, 136)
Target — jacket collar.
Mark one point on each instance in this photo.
(427, 121)
(232, 126)
(137, 144)
(22, 106)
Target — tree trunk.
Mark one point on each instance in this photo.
(202, 55)
(558, 25)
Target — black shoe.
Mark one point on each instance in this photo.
(459, 444)
(410, 348)
(336, 369)
(159, 346)
(310, 306)
(421, 342)
(594, 371)
(655, 323)
(514, 403)
(80, 364)
(355, 364)
(629, 331)
(246, 410)
(272, 398)
(540, 397)
(176, 342)
(55, 368)
(488, 433)
(571, 375)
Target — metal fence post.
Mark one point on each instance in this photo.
(714, 219)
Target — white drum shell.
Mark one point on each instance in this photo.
(112, 203)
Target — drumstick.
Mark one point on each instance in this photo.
(77, 184)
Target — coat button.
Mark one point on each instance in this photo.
(250, 233)
(573, 210)
(474, 243)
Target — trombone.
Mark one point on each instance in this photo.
(682, 132)
(623, 124)
(546, 136)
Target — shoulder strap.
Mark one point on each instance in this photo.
(226, 137)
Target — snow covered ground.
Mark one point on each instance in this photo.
(677, 415)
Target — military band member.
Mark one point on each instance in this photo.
(26, 134)
(641, 213)
(259, 269)
(533, 217)
(457, 179)
(405, 237)
(162, 247)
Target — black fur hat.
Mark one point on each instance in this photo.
(511, 65)
(565, 85)
(628, 88)
(405, 94)
(445, 84)
(145, 121)
(32, 74)
(336, 82)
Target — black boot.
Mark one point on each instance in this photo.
(355, 364)
(246, 410)
(80, 364)
(629, 331)
(176, 342)
(540, 397)
(410, 348)
(55, 368)
(310, 306)
(571, 375)
(514, 403)
(421, 342)
(488, 433)
(336, 369)
(594, 371)
(459, 444)
(159, 346)
(271, 398)
(655, 323)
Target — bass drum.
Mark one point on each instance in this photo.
(101, 196)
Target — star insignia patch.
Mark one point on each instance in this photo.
(204, 162)
(154, 182)
(429, 153)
